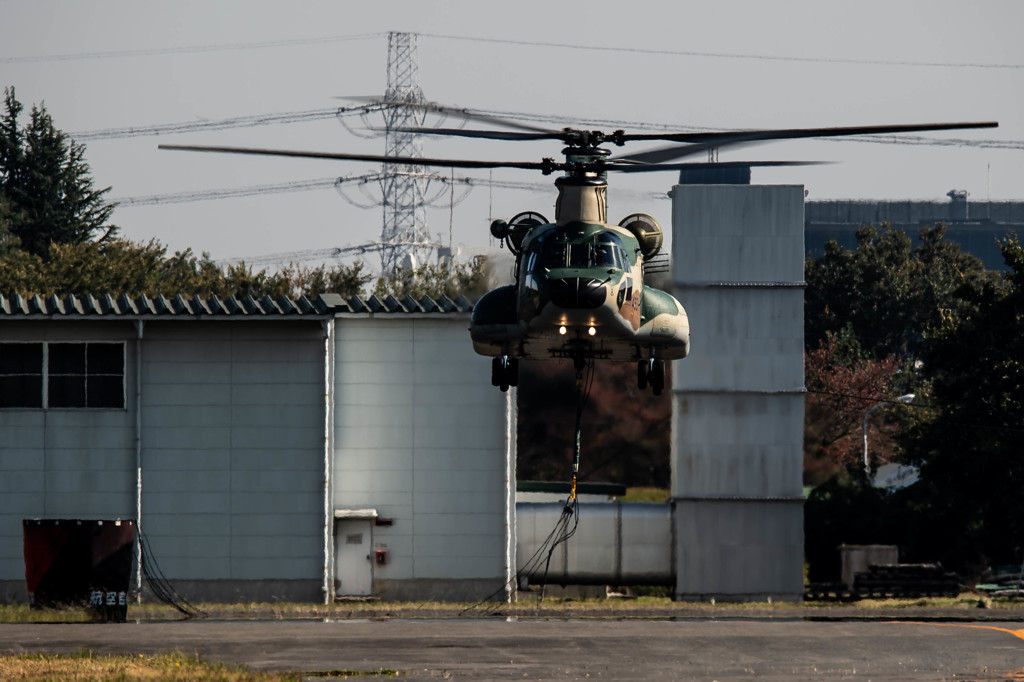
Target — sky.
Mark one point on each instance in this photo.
(116, 64)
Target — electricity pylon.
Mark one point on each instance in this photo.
(404, 187)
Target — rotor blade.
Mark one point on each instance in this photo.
(465, 114)
(484, 134)
(702, 142)
(632, 167)
(546, 166)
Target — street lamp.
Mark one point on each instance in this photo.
(864, 424)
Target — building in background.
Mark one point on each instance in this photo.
(977, 226)
(271, 450)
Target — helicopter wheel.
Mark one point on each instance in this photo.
(657, 377)
(497, 372)
(504, 372)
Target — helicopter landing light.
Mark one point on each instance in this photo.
(592, 331)
(562, 330)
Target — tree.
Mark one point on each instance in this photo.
(122, 267)
(870, 314)
(8, 241)
(889, 295)
(972, 465)
(48, 194)
(451, 279)
(625, 431)
(842, 383)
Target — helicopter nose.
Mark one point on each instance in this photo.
(578, 292)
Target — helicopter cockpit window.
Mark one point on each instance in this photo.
(608, 252)
(580, 255)
(553, 253)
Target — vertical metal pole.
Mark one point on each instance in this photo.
(328, 415)
(139, 324)
(510, 496)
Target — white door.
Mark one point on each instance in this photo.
(353, 557)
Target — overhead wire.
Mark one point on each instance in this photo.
(300, 42)
(187, 49)
(726, 55)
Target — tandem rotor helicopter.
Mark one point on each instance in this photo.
(579, 290)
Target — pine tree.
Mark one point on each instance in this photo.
(47, 192)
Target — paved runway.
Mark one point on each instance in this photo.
(499, 649)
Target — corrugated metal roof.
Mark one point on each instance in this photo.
(323, 305)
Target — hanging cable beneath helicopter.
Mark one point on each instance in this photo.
(570, 510)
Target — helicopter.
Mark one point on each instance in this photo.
(579, 289)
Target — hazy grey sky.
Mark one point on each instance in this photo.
(128, 63)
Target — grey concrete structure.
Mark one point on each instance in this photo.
(737, 257)
(245, 436)
(615, 543)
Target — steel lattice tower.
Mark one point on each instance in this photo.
(403, 186)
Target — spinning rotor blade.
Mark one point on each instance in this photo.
(547, 166)
(485, 134)
(632, 167)
(702, 142)
(464, 114)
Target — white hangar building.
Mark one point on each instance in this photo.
(293, 450)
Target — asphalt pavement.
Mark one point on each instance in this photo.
(527, 649)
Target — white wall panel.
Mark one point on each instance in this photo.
(419, 436)
(233, 431)
(64, 463)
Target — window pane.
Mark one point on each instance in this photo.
(67, 358)
(105, 391)
(105, 358)
(21, 358)
(66, 391)
(579, 255)
(21, 391)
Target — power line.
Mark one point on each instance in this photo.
(324, 183)
(221, 124)
(191, 49)
(726, 55)
(195, 49)
(225, 193)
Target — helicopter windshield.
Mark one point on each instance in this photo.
(605, 251)
(608, 251)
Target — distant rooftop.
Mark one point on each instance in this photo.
(323, 306)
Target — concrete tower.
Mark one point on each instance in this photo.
(737, 255)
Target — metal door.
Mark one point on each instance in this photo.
(353, 557)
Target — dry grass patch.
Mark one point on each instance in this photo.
(86, 666)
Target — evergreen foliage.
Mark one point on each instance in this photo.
(889, 296)
(47, 193)
(960, 333)
(972, 463)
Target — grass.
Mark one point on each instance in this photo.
(86, 666)
(646, 603)
(645, 495)
(23, 613)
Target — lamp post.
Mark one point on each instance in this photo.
(864, 424)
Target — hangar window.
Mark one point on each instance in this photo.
(61, 375)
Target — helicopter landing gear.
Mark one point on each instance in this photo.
(504, 372)
(651, 371)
